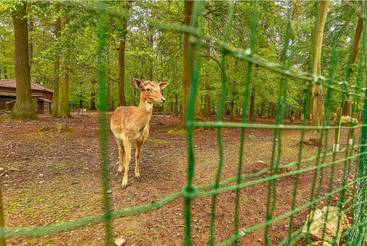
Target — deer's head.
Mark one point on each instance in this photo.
(151, 91)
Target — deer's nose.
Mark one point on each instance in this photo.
(163, 99)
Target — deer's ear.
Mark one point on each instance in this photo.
(163, 85)
(139, 84)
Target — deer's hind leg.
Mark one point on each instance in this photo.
(127, 149)
(121, 161)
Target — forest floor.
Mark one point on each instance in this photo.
(51, 174)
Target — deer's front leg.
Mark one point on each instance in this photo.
(121, 156)
(137, 159)
(127, 148)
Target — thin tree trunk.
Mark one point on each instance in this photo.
(122, 97)
(55, 101)
(357, 40)
(347, 110)
(317, 91)
(151, 42)
(80, 94)
(93, 95)
(252, 104)
(64, 108)
(206, 101)
(23, 108)
(186, 73)
(109, 98)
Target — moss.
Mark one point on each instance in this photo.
(23, 115)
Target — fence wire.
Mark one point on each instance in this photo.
(352, 162)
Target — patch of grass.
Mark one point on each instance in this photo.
(177, 131)
(4, 116)
(51, 133)
(61, 165)
(156, 141)
(43, 203)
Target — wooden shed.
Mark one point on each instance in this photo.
(42, 96)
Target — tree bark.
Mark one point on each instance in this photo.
(317, 91)
(122, 48)
(348, 106)
(55, 101)
(23, 108)
(64, 108)
(151, 42)
(252, 104)
(30, 41)
(186, 69)
(357, 40)
(93, 95)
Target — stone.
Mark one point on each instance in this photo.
(120, 241)
(317, 225)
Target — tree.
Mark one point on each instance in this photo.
(55, 102)
(155, 53)
(186, 63)
(64, 108)
(122, 47)
(317, 91)
(23, 108)
(252, 104)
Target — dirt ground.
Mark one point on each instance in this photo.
(51, 174)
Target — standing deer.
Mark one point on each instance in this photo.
(130, 125)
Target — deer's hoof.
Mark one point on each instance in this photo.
(137, 175)
(124, 184)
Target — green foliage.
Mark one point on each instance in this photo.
(155, 54)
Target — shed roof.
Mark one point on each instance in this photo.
(10, 83)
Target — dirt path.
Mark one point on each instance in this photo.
(50, 176)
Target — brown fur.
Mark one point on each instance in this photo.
(130, 125)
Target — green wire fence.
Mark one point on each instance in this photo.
(350, 160)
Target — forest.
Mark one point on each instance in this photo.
(258, 138)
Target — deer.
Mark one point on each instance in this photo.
(130, 125)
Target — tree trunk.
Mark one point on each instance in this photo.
(64, 108)
(55, 101)
(151, 42)
(122, 97)
(93, 95)
(23, 108)
(30, 41)
(206, 101)
(357, 39)
(177, 110)
(252, 104)
(109, 96)
(347, 110)
(186, 69)
(80, 94)
(317, 91)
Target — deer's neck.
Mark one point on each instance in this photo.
(145, 107)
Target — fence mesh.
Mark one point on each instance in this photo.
(348, 195)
